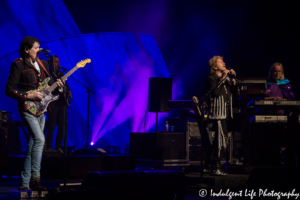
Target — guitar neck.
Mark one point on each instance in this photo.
(64, 77)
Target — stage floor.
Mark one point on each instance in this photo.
(79, 166)
(192, 184)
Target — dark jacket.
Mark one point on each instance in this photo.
(220, 100)
(212, 81)
(23, 78)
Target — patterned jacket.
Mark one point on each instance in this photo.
(23, 78)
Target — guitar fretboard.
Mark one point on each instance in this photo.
(64, 77)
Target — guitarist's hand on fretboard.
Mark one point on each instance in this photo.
(59, 83)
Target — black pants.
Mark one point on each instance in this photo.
(55, 114)
(213, 160)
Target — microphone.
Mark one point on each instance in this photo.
(231, 75)
(63, 68)
(44, 50)
(229, 72)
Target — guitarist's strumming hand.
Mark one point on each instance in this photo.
(34, 96)
(39, 96)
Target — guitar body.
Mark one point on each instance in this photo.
(39, 107)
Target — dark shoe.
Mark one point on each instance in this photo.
(206, 171)
(37, 186)
(59, 150)
(24, 188)
(217, 172)
(48, 150)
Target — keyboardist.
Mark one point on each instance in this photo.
(279, 87)
(271, 136)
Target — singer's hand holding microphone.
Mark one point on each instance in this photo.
(228, 72)
(232, 72)
(225, 73)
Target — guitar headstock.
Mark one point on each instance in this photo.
(83, 62)
(195, 100)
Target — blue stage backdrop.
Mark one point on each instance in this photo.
(121, 65)
(45, 20)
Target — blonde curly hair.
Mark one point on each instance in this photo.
(212, 63)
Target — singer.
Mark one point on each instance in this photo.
(26, 73)
(220, 110)
(56, 108)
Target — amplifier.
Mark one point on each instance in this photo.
(192, 129)
(193, 138)
(252, 86)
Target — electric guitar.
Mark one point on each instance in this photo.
(196, 103)
(40, 106)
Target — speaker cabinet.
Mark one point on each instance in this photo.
(158, 146)
(160, 92)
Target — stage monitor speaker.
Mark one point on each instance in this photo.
(149, 184)
(276, 178)
(160, 92)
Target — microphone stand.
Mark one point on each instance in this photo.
(89, 91)
(65, 128)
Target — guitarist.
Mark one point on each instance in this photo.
(56, 108)
(26, 73)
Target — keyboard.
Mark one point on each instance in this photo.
(270, 119)
(275, 103)
(181, 104)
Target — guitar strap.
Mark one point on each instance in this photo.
(40, 62)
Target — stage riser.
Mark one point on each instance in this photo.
(216, 183)
(278, 179)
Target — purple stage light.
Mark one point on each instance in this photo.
(92, 143)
